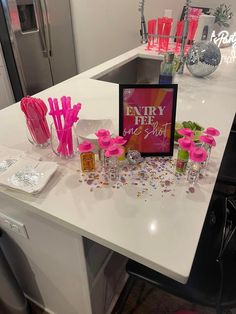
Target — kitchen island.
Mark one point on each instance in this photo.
(159, 231)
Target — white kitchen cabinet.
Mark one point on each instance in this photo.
(106, 275)
(6, 94)
(58, 269)
(49, 264)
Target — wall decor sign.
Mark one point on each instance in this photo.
(147, 118)
(229, 59)
(224, 38)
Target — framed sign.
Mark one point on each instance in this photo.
(147, 118)
(206, 11)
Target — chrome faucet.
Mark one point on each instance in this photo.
(184, 37)
(144, 34)
(143, 30)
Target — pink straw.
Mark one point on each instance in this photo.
(160, 24)
(166, 32)
(179, 32)
(151, 33)
(192, 30)
(64, 132)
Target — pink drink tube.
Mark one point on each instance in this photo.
(160, 24)
(167, 30)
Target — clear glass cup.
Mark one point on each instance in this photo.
(204, 164)
(101, 156)
(38, 132)
(113, 168)
(208, 150)
(194, 172)
(64, 142)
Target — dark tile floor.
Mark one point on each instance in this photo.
(36, 310)
(155, 301)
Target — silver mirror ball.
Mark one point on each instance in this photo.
(203, 58)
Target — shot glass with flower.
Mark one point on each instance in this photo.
(113, 153)
(197, 155)
(185, 146)
(120, 141)
(208, 142)
(104, 142)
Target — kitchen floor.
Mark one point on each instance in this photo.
(156, 301)
(34, 309)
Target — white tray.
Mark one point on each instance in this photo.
(28, 175)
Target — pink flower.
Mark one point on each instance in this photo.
(212, 131)
(119, 140)
(198, 154)
(85, 147)
(102, 133)
(114, 151)
(186, 144)
(186, 132)
(207, 139)
(105, 141)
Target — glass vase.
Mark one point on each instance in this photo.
(38, 132)
(64, 142)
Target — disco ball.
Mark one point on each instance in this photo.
(203, 58)
(134, 157)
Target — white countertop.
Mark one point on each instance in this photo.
(161, 232)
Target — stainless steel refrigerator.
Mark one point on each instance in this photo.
(41, 41)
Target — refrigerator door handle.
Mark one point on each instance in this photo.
(46, 22)
(41, 29)
(43, 42)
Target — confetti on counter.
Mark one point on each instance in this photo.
(147, 178)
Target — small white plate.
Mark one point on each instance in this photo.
(86, 128)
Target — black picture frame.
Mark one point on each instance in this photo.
(174, 88)
(205, 10)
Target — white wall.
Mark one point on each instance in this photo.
(214, 3)
(106, 28)
(103, 29)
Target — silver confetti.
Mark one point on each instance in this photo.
(26, 177)
(5, 164)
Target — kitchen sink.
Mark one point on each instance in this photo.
(138, 70)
